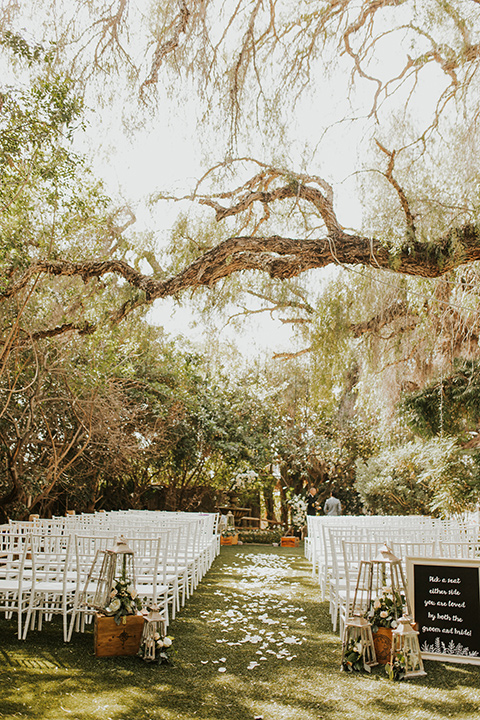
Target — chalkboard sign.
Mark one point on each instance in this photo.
(445, 598)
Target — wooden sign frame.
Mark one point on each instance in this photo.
(444, 594)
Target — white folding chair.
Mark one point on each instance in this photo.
(150, 560)
(86, 549)
(15, 576)
(54, 584)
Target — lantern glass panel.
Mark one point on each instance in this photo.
(358, 650)
(406, 649)
(153, 632)
(381, 589)
(117, 564)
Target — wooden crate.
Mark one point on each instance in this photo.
(287, 541)
(230, 540)
(113, 640)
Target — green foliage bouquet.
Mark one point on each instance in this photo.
(123, 600)
(353, 657)
(229, 532)
(396, 670)
(385, 610)
(161, 649)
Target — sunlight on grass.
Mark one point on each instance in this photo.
(253, 641)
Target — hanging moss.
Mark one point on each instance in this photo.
(450, 405)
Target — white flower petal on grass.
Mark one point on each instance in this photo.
(204, 662)
(222, 669)
(223, 660)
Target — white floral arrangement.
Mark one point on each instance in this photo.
(161, 649)
(353, 656)
(298, 508)
(385, 609)
(123, 600)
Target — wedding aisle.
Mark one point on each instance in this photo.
(254, 641)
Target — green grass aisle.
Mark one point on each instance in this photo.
(252, 642)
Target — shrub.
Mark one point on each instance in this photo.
(420, 478)
(263, 537)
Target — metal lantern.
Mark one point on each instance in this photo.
(357, 637)
(382, 576)
(153, 632)
(117, 564)
(406, 649)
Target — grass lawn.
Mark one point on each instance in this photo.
(254, 641)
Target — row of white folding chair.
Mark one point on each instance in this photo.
(385, 528)
(142, 520)
(54, 580)
(335, 562)
(155, 562)
(424, 528)
(204, 542)
(45, 575)
(150, 563)
(190, 555)
(175, 568)
(464, 549)
(353, 553)
(165, 575)
(342, 591)
(335, 569)
(87, 550)
(47, 580)
(200, 533)
(188, 552)
(15, 582)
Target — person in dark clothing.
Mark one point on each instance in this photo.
(312, 501)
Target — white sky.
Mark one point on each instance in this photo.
(167, 155)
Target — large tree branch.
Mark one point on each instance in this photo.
(397, 310)
(280, 257)
(409, 217)
(165, 47)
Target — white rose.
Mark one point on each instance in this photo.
(384, 614)
(156, 636)
(115, 605)
(132, 591)
(160, 644)
(377, 604)
(167, 641)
